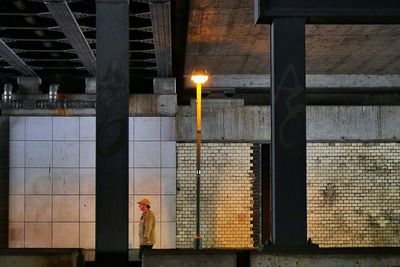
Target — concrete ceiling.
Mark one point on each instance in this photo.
(217, 35)
(223, 38)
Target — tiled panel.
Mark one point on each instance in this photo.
(17, 180)
(130, 181)
(65, 181)
(168, 208)
(39, 128)
(38, 181)
(87, 234)
(17, 128)
(130, 157)
(87, 181)
(130, 233)
(130, 129)
(136, 235)
(168, 154)
(65, 128)
(131, 206)
(65, 208)
(87, 128)
(146, 154)
(59, 157)
(37, 208)
(39, 154)
(168, 180)
(155, 206)
(65, 235)
(87, 154)
(157, 235)
(38, 235)
(16, 237)
(87, 208)
(146, 128)
(66, 154)
(168, 235)
(168, 131)
(146, 181)
(17, 154)
(16, 210)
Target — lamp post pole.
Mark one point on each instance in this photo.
(197, 239)
(199, 77)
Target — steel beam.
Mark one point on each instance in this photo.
(14, 60)
(70, 27)
(288, 132)
(161, 22)
(329, 11)
(112, 110)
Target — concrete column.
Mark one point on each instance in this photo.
(4, 180)
(288, 124)
(164, 86)
(112, 124)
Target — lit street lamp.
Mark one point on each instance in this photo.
(199, 77)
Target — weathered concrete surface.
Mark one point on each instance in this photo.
(164, 86)
(152, 105)
(229, 122)
(380, 82)
(223, 38)
(189, 258)
(324, 123)
(385, 257)
(139, 105)
(41, 258)
(353, 123)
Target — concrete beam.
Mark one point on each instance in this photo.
(164, 86)
(312, 81)
(201, 258)
(41, 257)
(28, 85)
(139, 105)
(357, 257)
(324, 123)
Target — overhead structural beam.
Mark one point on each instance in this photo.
(329, 11)
(381, 82)
(14, 60)
(161, 22)
(70, 27)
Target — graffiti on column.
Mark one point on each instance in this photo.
(112, 91)
(293, 109)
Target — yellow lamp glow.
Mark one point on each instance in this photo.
(199, 76)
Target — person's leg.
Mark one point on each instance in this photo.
(141, 250)
(147, 247)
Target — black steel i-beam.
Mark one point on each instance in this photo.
(330, 11)
(112, 108)
(288, 183)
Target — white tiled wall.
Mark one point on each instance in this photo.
(52, 180)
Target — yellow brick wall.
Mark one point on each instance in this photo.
(353, 194)
(226, 195)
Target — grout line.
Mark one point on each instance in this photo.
(24, 178)
(79, 182)
(52, 165)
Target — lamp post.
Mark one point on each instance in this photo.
(199, 77)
